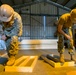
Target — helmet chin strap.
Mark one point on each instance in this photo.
(10, 23)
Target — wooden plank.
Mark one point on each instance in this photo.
(66, 64)
(23, 67)
(19, 60)
(41, 46)
(25, 61)
(33, 65)
(58, 64)
(44, 41)
(38, 44)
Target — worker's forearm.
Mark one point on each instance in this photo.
(66, 35)
(63, 33)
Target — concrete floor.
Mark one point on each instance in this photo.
(41, 67)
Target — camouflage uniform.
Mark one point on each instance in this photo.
(12, 31)
(61, 41)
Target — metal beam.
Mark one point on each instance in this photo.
(39, 1)
(65, 2)
(34, 14)
(74, 6)
(60, 1)
(58, 5)
(70, 3)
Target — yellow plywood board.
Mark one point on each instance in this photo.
(58, 64)
(23, 64)
(66, 64)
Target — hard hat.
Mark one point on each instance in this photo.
(6, 13)
(73, 15)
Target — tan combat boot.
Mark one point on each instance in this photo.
(11, 61)
(62, 58)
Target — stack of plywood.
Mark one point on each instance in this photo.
(38, 44)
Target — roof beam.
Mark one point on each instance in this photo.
(74, 6)
(60, 1)
(70, 3)
(39, 1)
(34, 14)
(58, 5)
(65, 2)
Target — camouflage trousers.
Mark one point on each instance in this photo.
(12, 45)
(61, 41)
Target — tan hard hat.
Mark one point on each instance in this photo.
(6, 13)
(73, 15)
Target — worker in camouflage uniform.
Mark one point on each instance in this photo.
(65, 23)
(12, 27)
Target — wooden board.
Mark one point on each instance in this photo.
(23, 64)
(38, 44)
(57, 64)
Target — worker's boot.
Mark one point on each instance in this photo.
(62, 58)
(11, 61)
(72, 57)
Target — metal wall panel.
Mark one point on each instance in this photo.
(43, 8)
(33, 21)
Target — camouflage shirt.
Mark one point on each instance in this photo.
(14, 28)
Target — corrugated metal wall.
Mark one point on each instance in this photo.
(33, 21)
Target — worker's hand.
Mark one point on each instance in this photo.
(3, 37)
(69, 37)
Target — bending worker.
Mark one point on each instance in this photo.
(12, 28)
(65, 23)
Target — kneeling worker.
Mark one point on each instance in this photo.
(12, 28)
